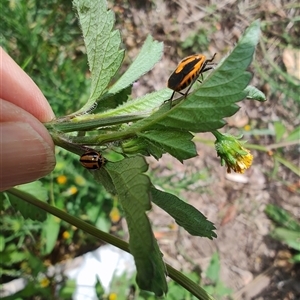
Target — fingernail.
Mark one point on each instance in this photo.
(25, 156)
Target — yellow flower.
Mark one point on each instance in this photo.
(112, 296)
(232, 153)
(44, 282)
(114, 215)
(61, 179)
(73, 190)
(243, 162)
(66, 235)
(247, 127)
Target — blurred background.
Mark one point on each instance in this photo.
(257, 214)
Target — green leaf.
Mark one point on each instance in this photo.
(68, 288)
(147, 103)
(204, 109)
(102, 44)
(50, 233)
(288, 237)
(255, 94)
(2, 242)
(111, 101)
(10, 273)
(280, 130)
(99, 288)
(221, 290)
(12, 255)
(213, 270)
(142, 146)
(184, 214)
(294, 135)
(35, 189)
(282, 217)
(149, 55)
(102, 176)
(132, 187)
(296, 258)
(36, 264)
(3, 199)
(177, 143)
(27, 210)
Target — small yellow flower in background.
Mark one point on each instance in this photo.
(114, 215)
(113, 296)
(72, 190)
(66, 235)
(61, 179)
(247, 127)
(232, 153)
(44, 282)
(80, 180)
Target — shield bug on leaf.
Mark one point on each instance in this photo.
(187, 72)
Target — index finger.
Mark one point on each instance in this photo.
(18, 88)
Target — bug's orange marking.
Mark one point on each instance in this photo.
(187, 72)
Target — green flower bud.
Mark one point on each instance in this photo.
(232, 153)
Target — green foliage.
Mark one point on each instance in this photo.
(75, 192)
(280, 82)
(255, 94)
(132, 188)
(165, 130)
(216, 286)
(282, 217)
(282, 136)
(27, 211)
(104, 56)
(150, 54)
(198, 41)
(50, 232)
(144, 126)
(99, 289)
(44, 39)
(287, 229)
(158, 142)
(185, 215)
(67, 290)
(123, 287)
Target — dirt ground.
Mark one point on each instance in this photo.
(252, 264)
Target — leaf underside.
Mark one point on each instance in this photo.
(133, 189)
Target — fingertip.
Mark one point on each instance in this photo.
(25, 155)
(26, 148)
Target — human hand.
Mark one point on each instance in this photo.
(26, 148)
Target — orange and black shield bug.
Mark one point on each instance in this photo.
(92, 160)
(187, 72)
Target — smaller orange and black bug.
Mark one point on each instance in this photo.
(187, 72)
(92, 160)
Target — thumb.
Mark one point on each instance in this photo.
(26, 149)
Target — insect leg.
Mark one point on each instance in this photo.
(187, 91)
